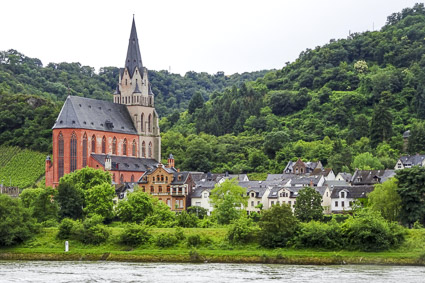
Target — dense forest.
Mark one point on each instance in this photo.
(346, 103)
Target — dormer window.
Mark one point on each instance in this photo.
(342, 194)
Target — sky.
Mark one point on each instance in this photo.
(232, 36)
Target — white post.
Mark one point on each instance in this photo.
(66, 246)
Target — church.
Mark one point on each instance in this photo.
(122, 136)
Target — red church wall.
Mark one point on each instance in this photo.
(54, 179)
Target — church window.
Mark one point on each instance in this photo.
(73, 150)
(134, 148)
(143, 149)
(104, 144)
(124, 147)
(125, 81)
(150, 123)
(132, 178)
(143, 120)
(150, 150)
(85, 150)
(122, 179)
(93, 144)
(114, 146)
(60, 155)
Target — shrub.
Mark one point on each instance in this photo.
(241, 231)
(187, 220)
(65, 229)
(368, 231)
(278, 226)
(135, 235)
(319, 235)
(166, 240)
(179, 234)
(193, 240)
(91, 231)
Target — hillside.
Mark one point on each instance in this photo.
(20, 167)
(333, 103)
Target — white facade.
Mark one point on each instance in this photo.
(203, 201)
(342, 202)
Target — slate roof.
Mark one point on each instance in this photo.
(370, 177)
(274, 192)
(305, 180)
(259, 187)
(86, 113)
(134, 58)
(335, 183)
(412, 160)
(353, 191)
(279, 177)
(127, 163)
(310, 166)
(183, 175)
(197, 192)
(346, 176)
(321, 171)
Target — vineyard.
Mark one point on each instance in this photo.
(20, 167)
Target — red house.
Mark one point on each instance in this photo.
(122, 137)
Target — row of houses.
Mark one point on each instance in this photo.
(339, 192)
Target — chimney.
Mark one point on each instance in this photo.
(170, 161)
(108, 162)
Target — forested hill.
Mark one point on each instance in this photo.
(335, 102)
(21, 74)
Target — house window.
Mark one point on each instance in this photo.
(342, 194)
(258, 202)
(132, 178)
(60, 155)
(143, 149)
(124, 147)
(104, 144)
(272, 202)
(205, 195)
(198, 203)
(152, 189)
(252, 194)
(336, 203)
(252, 203)
(150, 150)
(84, 150)
(342, 204)
(134, 148)
(168, 189)
(168, 202)
(289, 202)
(160, 189)
(114, 146)
(113, 177)
(73, 150)
(93, 144)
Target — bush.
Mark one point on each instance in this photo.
(95, 235)
(66, 229)
(319, 235)
(179, 234)
(193, 240)
(368, 231)
(166, 240)
(187, 220)
(278, 226)
(241, 231)
(135, 235)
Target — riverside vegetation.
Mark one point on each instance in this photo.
(140, 227)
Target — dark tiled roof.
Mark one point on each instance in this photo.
(321, 171)
(127, 163)
(197, 193)
(279, 177)
(302, 180)
(335, 183)
(86, 113)
(134, 58)
(346, 176)
(412, 160)
(353, 191)
(370, 177)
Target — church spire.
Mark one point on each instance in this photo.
(134, 59)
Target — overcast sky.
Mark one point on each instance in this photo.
(182, 35)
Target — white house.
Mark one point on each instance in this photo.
(408, 161)
(342, 198)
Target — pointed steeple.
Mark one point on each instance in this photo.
(134, 59)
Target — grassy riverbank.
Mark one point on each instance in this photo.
(213, 248)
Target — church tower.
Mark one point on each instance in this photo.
(134, 90)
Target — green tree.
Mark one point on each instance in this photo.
(70, 201)
(278, 226)
(416, 142)
(381, 124)
(309, 205)
(16, 223)
(228, 198)
(274, 141)
(196, 102)
(198, 156)
(136, 207)
(385, 199)
(41, 203)
(366, 161)
(198, 211)
(411, 190)
(99, 200)
(187, 220)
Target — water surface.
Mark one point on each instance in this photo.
(75, 271)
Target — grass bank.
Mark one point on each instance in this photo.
(214, 248)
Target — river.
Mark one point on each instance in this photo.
(74, 271)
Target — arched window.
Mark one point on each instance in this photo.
(132, 178)
(122, 179)
(73, 151)
(60, 155)
(150, 123)
(104, 144)
(93, 144)
(150, 150)
(134, 148)
(142, 126)
(114, 145)
(124, 147)
(143, 149)
(85, 150)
